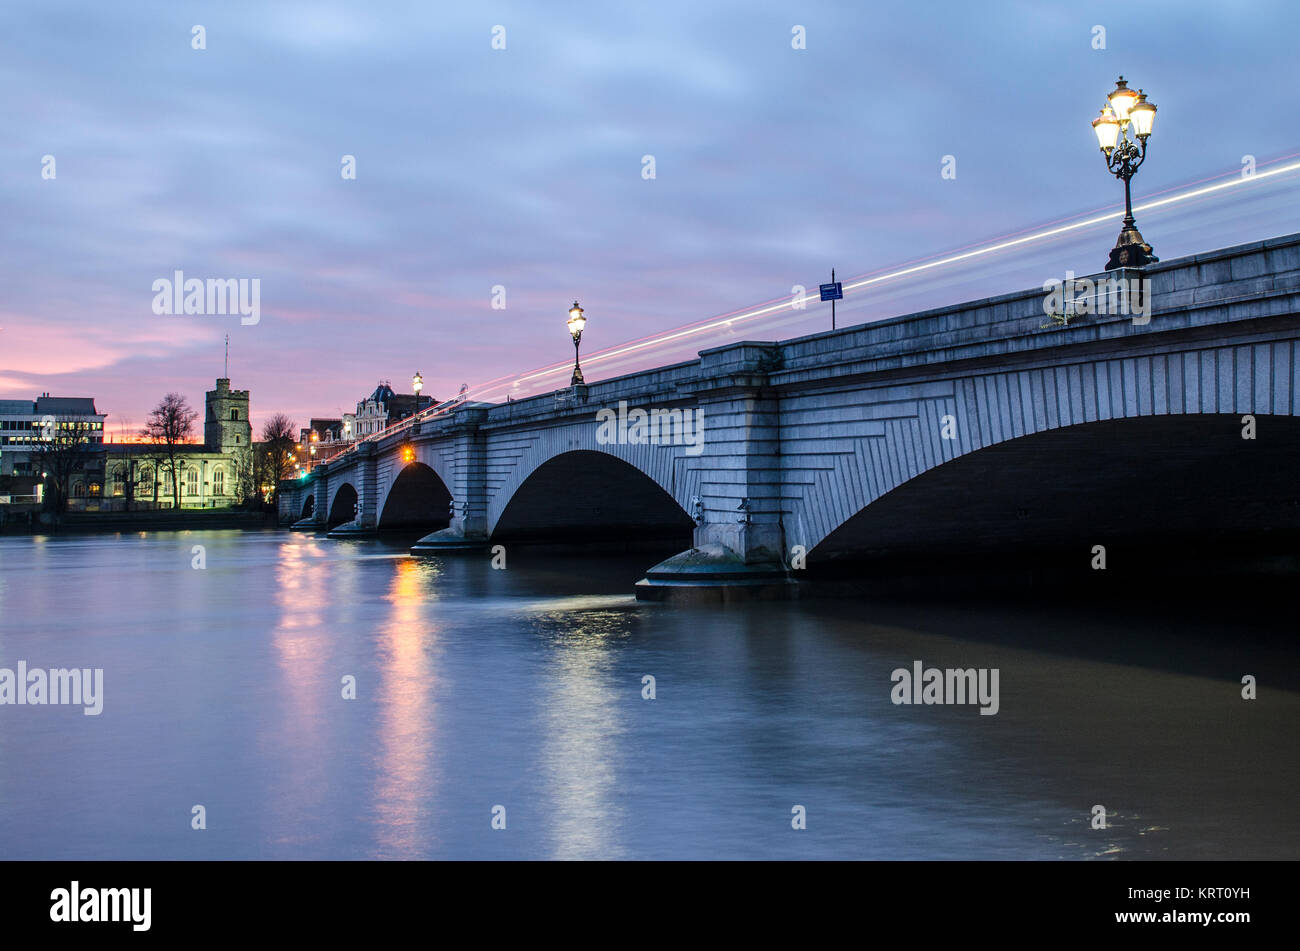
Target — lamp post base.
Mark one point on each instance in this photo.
(1130, 250)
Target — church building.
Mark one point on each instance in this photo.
(136, 475)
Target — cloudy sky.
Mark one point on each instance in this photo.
(523, 168)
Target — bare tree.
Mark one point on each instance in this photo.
(125, 427)
(142, 479)
(245, 475)
(152, 464)
(64, 446)
(277, 444)
(134, 470)
(263, 475)
(170, 425)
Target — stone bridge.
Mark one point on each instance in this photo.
(958, 431)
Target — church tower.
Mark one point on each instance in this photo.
(226, 427)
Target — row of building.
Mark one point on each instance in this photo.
(325, 437)
(216, 473)
(106, 476)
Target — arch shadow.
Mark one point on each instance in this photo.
(588, 498)
(1162, 495)
(417, 501)
(344, 507)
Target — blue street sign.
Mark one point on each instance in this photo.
(833, 291)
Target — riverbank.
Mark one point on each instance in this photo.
(164, 520)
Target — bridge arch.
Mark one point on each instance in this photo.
(585, 496)
(308, 506)
(1185, 485)
(672, 468)
(1218, 387)
(343, 504)
(416, 498)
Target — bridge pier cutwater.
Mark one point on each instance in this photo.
(466, 446)
(739, 543)
(358, 493)
(823, 448)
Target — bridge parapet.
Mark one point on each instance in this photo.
(660, 386)
(1246, 282)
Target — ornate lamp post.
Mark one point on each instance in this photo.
(576, 324)
(1126, 109)
(417, 383)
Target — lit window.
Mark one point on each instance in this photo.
(191, 481)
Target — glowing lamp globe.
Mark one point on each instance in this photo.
(577, 322)
(1122, 100)
(1142, 115)
(1107, 128)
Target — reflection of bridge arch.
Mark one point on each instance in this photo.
(343, 504)
(585, 496)
(416, 499)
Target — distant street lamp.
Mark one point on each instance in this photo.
(417, 383)
(576, 324)
(1126, 108)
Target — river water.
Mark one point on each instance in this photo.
(523, 688)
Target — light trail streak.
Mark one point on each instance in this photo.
(783, 303)
(1230, 180)
(1073, 226)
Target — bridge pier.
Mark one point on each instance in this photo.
(468, 529)
(365, 477)
(320, 510)
(292, 494)
(739, 537)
